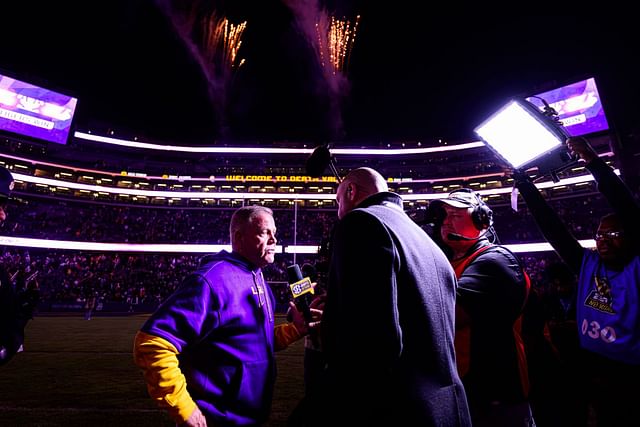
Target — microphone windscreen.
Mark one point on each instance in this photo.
(318, 161)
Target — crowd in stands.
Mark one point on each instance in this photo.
(581, 214)
(136, 278)
(46, 219)
(90, 222)
(147, 279)
(128, 278)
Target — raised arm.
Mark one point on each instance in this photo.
(610, 186)
(550, 224)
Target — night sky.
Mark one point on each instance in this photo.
(412, 76)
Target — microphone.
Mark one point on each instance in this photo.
(301, 289)
(318, 161)
(459, 237)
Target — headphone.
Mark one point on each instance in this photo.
(482, 215)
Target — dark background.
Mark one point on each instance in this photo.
(413, 75)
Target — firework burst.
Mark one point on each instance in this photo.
(222, 41)
(335, 39)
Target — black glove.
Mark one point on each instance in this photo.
(520, 177)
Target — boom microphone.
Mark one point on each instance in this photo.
(301, 289)
(318, 161)
(459, 237)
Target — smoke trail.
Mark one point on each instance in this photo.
(332, 40)
(213, 43)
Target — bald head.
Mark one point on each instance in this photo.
(356, 186)
(369, 180)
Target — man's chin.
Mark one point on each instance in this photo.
(607, 256)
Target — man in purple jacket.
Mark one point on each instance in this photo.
(207, 353)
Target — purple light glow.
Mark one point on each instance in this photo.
(34, 111)
(578, 106)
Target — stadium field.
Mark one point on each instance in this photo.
(75, 373)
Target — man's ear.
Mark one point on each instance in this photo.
(236, 238)
(350, 191)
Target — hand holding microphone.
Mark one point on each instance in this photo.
(302, 290)
(304, 301)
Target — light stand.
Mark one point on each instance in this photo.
(525, 137)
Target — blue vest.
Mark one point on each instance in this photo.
(608, 309)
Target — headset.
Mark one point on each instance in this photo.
(482, 215)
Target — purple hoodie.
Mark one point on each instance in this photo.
(221, 321)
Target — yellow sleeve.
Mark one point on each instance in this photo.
(285, 334)
(166, 384)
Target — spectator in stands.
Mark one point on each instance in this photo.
(16, 304)
(89, 306)
(388, 323)
(207, 352)
(492, 292)
(608, 316)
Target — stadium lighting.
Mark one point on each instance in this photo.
(526, 137)
(24, 242)
(48, 182)
(274, 150)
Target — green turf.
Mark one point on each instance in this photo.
(75, 372)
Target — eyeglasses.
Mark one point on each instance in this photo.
(609, 235)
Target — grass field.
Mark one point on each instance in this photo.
(76, 373)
